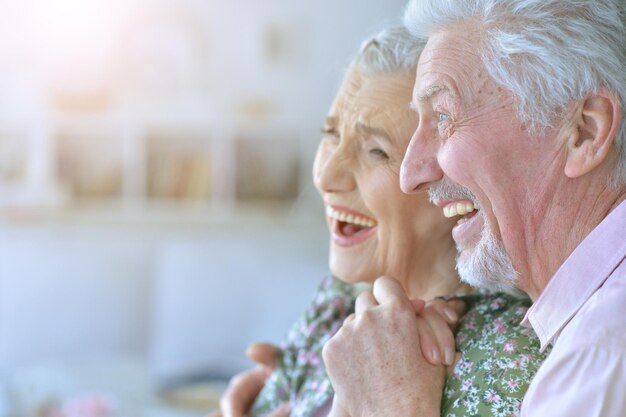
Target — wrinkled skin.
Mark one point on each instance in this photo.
(357, 166)
(538, 194)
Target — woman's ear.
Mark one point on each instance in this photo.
(598, 120)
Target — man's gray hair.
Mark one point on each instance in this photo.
(393, 49)
(548, 53)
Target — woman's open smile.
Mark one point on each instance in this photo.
(349, 227)
(375, 228)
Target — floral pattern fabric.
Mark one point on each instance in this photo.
(498, 357)
(300, 376)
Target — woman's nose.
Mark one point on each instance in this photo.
(420, 166)
(336, 172)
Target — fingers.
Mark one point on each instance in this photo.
(418, 305)
(441, 334)
(428, 343)
(348, 319)
(450, 369)
(283, 410)
(435, 320)
(438, 320)
(265, 354)
(451, 310)
(244, 387)
(388, 290)
(216, 413)
(242, 391)
(364, 301)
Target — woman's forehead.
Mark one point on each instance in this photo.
(364, 97)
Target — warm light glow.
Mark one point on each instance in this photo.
(66, 43)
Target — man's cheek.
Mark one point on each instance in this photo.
(457, 159)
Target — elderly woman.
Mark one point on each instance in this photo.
(377, 230)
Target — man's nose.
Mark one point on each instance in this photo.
(419, 166)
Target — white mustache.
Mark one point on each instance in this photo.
(450, 191)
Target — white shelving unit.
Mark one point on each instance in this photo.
(135, 165)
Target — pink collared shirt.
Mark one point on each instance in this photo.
(582, 313)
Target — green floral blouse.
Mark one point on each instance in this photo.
(498, 357)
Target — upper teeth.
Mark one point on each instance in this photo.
(349, 217)
(458, 209)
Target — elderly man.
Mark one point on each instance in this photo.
(521, 109)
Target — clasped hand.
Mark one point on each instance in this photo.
(389, 358)
(388, 355)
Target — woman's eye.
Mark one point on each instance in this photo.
(379, 153)
(443, 117)
(330, 133)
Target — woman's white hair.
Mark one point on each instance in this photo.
(394, 49)
(548, 53)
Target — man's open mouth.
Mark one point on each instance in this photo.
(464, 208)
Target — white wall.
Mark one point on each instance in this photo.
(189, 300)
(227, 38)
(187, 297)
(216, 297)
(333, 31)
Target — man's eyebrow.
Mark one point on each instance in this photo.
(432, 91)
(372, 131)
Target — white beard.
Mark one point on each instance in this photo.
(489, 265)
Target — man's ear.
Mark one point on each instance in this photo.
(598, 120)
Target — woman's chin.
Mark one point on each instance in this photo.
(351, 273)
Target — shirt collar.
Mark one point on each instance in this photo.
(582, 273)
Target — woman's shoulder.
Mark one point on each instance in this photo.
(485, 306)
(333, 293)
(333, 299)
(492, 324)
(334, 286)
(300, 375)
(498, 356)
(332, 302)
(491, 328)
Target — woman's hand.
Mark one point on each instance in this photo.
(375, 361)
(436, 325)
(244, 387)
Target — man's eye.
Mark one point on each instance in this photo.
(443, 117)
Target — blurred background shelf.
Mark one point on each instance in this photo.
(79, 161)
(156, 207)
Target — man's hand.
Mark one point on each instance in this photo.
(375, 361)
(436, 330)
(244, 387)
